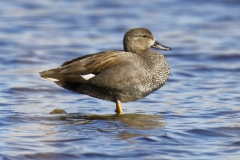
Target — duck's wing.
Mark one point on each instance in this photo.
(93, 63)
(75, 69)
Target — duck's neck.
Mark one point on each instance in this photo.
(134, 49)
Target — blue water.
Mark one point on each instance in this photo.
(196, 115)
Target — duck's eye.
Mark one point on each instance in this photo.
(145, 36)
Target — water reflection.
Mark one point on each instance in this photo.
(127, 125)
(137, 121)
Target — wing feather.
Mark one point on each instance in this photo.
(94, 63)
(73, 70)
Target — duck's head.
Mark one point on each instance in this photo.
(139, 40)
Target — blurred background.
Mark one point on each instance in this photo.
(195, 115)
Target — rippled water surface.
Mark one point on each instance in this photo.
(196, 115)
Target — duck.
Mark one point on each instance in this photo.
(116, 75)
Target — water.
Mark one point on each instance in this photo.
(196, 115)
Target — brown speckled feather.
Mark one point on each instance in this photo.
(93, 63)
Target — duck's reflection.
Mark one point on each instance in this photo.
(137, 121)
(126, 124)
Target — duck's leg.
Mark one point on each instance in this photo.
(118, 107)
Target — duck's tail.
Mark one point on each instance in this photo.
(55, 75)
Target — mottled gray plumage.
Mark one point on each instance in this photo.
(119, 75)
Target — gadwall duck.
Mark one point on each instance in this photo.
(117, 76)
